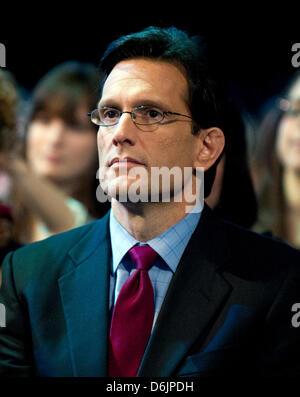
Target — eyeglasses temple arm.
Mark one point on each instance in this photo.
(179, 114)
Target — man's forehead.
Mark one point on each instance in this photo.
(160, 76)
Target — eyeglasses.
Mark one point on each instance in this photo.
(141, 115)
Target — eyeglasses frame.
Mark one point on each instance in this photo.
(164, 112)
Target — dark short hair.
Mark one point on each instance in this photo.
(208, 96)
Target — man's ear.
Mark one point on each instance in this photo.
(211, 144)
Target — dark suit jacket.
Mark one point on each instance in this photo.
(227, 310)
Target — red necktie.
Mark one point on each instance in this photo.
(132, 316)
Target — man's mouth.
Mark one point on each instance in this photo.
(124, 161)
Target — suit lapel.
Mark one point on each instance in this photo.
(194, 296)
(85, 299)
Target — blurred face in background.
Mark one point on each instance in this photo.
(288, 140)
(61, 150)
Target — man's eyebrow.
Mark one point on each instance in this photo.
(139, 102)
(151, 102)
(107, 103)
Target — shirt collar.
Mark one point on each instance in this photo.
(170, 244)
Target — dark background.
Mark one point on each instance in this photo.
(251, 47)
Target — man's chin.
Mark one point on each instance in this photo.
(116, 189)
(125, 190)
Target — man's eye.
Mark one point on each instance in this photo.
(150, 113)
(109, 114)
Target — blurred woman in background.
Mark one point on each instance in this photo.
(278, 167)
(54, 180)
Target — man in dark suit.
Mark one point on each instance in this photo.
(153, 289)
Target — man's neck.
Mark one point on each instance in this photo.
(145, 221)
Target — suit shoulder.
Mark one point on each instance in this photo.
(49, 255)
(57, 241)
(259, 248)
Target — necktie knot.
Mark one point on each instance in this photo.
(143, 256)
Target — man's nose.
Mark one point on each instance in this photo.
(125, 130)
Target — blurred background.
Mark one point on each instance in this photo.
(253, 48)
